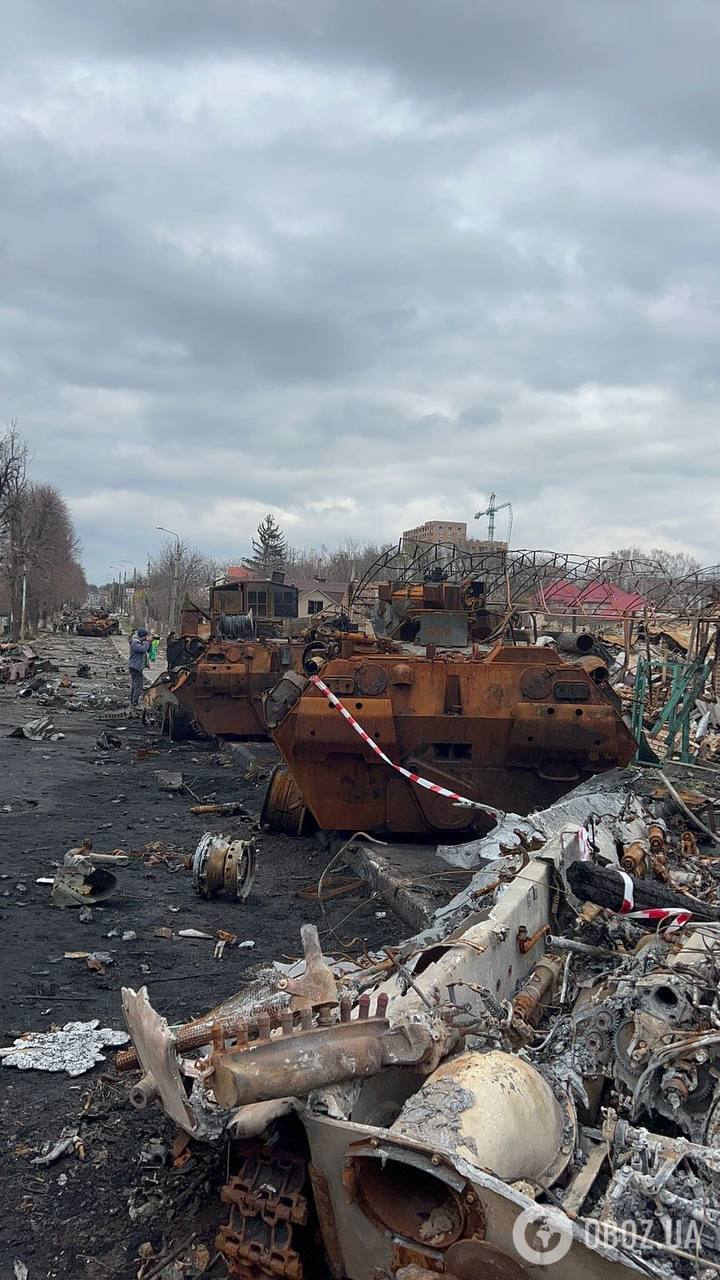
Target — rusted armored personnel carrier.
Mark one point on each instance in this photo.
(224, 660)
(515, 728)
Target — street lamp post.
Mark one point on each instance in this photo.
(175, 574)
(23, 607)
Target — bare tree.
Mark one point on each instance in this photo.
(41, 567)
(13, 474)
(178, 572)
(347, 561)
(13, 488)
(676, 564)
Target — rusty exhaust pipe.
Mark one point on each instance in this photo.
(574, 642)
(596, 668)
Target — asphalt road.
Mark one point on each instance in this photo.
(90, 1216)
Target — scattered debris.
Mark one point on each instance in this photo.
(69, 1143)
(79, 881)
(75, 1048)
(226, 810)
(547, 1025)
(17, 662)
(169, 780)
(40, 730)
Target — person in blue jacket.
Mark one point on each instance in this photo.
(137, 662)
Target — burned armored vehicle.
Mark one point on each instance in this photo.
(97, 622)
(225, 658)
(511, 729)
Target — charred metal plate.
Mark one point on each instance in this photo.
(340, 684)
(280, 700)
(444, 627)
(371, 680)
(536, 684)
(572, 691)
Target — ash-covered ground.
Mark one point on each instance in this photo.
(96, 1211)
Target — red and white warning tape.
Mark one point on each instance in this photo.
(677, 915)
(406, 773)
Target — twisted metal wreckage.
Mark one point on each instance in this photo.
(532, 1081)
(532, 1069)
(228, 658)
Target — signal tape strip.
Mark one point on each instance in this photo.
(678, 916)
(406, 773)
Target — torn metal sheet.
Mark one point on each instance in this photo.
(509, 1091)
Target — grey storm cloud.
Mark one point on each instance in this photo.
(362, 263)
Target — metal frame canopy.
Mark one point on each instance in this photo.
(517, 578)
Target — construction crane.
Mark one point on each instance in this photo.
(491, 512)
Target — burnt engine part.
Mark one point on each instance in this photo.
(267, 1068)
(222, 866)
(650, 1027)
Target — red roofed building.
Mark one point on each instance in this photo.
(602, 599)
(239, 573)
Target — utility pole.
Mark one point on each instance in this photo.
(174, 582)
(23, 607)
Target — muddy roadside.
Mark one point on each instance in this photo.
(94, 1215)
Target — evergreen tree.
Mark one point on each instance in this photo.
(269, 548)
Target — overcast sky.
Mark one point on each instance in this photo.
(360, 262)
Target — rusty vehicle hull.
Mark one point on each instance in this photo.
(220, 694)
(515, 729)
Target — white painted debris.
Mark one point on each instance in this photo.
(74, 1049)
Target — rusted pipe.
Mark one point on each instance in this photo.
(526, 943)
(297, 1063)
(574, 642)
(143, 1093)
(536, 992)
(596, 668)
(635, 858)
